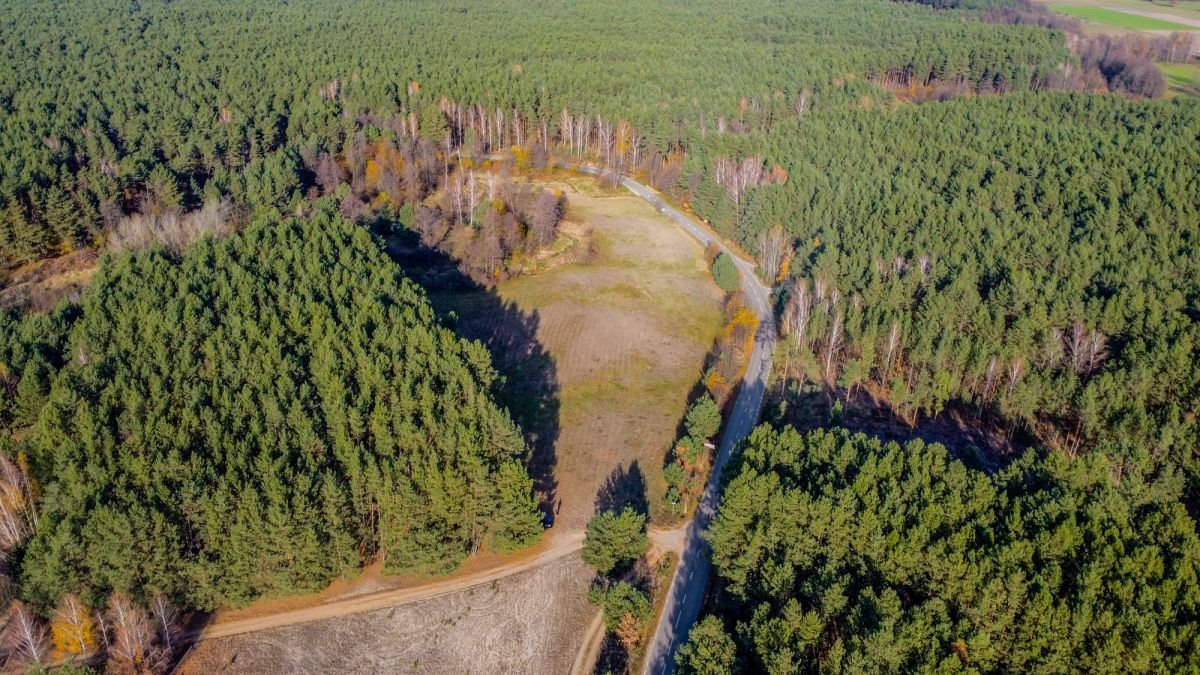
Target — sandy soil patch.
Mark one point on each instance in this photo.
(533, 622)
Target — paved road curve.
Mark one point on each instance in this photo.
(686, 594)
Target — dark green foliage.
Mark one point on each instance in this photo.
(709, 650)
(841, 553)
(622, 599)
(257, 418)
(118, 106)
(614, 540)
(31, 351)
(726, 274)
(1036, 254)
(517, 520)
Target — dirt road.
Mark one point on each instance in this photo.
(558, 548)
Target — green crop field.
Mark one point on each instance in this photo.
(1182, 78)
(1118, 18)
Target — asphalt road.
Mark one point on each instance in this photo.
(686, 594)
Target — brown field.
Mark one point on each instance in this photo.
(532, 622)
(600, 355)
(41, 285)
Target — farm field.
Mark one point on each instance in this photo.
(1119, 18)
(532, 622)
(620, 341)
(1182, 78)
(1189, 9)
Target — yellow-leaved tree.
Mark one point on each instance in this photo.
(73, 629)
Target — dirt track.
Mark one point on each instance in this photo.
(558, 548)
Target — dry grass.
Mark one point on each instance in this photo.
(41, 285)
(626, 335)
(533, 622)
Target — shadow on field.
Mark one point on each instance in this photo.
(529, 379)
(624, 487)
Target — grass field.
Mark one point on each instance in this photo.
(1182, 78)
(1119, 19)
(1186, 9)
(620, 340)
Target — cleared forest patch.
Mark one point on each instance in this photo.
(39, 286)
(623, 336)
(532, 622)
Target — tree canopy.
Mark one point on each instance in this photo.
(259, 417)
(840, 553)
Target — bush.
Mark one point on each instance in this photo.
(625, 600)
(614, 540)
(725, 273)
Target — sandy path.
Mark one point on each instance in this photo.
(562, 547)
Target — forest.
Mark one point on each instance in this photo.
(981, 212)
(260, 416)
(839, 553)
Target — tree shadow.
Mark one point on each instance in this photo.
(528, 384)
(624, 487)
(977, 440)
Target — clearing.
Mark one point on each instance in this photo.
(599, 353)
(1182, 78)
(1124, 16)
(532, 622)
(621, 339)
(41, 285)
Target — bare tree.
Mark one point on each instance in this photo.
(1016, 368)
(773, 248)
(74, 627)
(131, 648)
(796, 315)
(25, 639)
(802, 102)
(1088, 349)
(329, 173)
(605, 136)
(17, 514)
(543, 218)
(566, 129)
(989, 380)
(472, 196)
(737, 177)
(833, 344)
(891, 347)
(166, 620)
(171, 229)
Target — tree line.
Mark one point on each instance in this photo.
(219, 99)
(1025, 258)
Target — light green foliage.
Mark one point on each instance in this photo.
(227, 97)
(621, 599)
(614, 540)
(842, 553)
(726, 274)
(257, 416)
(1016, 234)
(703, 418)
(709, 650)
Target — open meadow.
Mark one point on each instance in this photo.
(621, 337)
